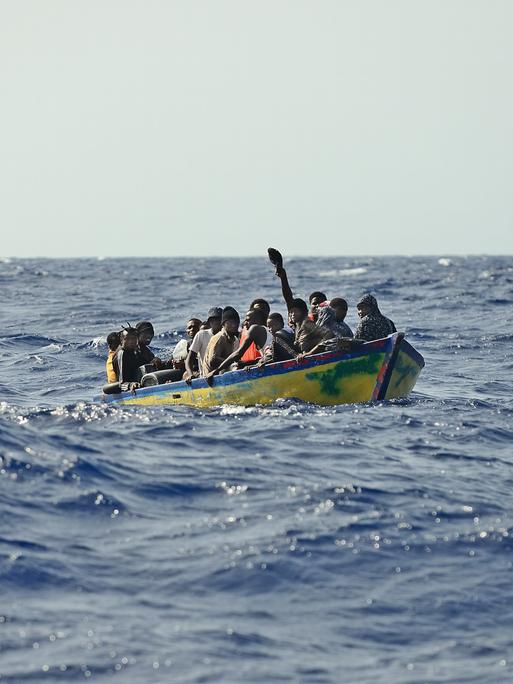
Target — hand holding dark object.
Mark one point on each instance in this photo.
(276, 259)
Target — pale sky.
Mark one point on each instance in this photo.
(220, 127)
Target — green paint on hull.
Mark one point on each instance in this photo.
(404, 376)
(330, 380)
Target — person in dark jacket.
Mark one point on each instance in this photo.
(326, 317)
(372, 325)
(146, 334)
(282, 347)
(309, 337)
(128, 359)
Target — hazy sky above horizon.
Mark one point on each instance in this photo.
(221, 127)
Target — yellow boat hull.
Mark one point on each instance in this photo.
(383, 369)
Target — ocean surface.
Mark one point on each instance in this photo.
(289, 543)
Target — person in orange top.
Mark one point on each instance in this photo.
(260, 305)
(113, 340)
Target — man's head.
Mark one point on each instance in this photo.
(254, 317)
(339, 305)
(367, 305)
(214, 317)
(129, 339)
(261, 304)
(230, 320)
(275, 322)
(114, 340)
(317, 298)
(298, 311)
(146, 333)
(192, 327)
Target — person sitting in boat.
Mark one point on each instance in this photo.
(309, 337)
(326, 317)
(113, 340)
(257, 334)
(262, 306)
(252, 352)
(252, 339)
(223, 343)
(372, 325)
(282, 346)
(128, 359)
(198, 348)
(316, 300)
(339, 306)
(181, 350)
(146, 334)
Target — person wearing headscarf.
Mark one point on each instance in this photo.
(372, 325)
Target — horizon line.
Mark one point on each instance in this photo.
(101, 257)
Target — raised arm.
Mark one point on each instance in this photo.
(285, 287)
(276, 259)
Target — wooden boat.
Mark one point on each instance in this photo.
(383, 369)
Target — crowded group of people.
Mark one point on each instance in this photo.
(219, 343)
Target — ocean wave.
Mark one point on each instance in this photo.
(22, 571)
(92, 502)
(191, 544)
(348, 272)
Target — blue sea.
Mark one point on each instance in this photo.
(287, 543)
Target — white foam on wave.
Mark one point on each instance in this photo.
(98, 342)
(444, 261)
(228, 410)
(53, 346)
(358, 270)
